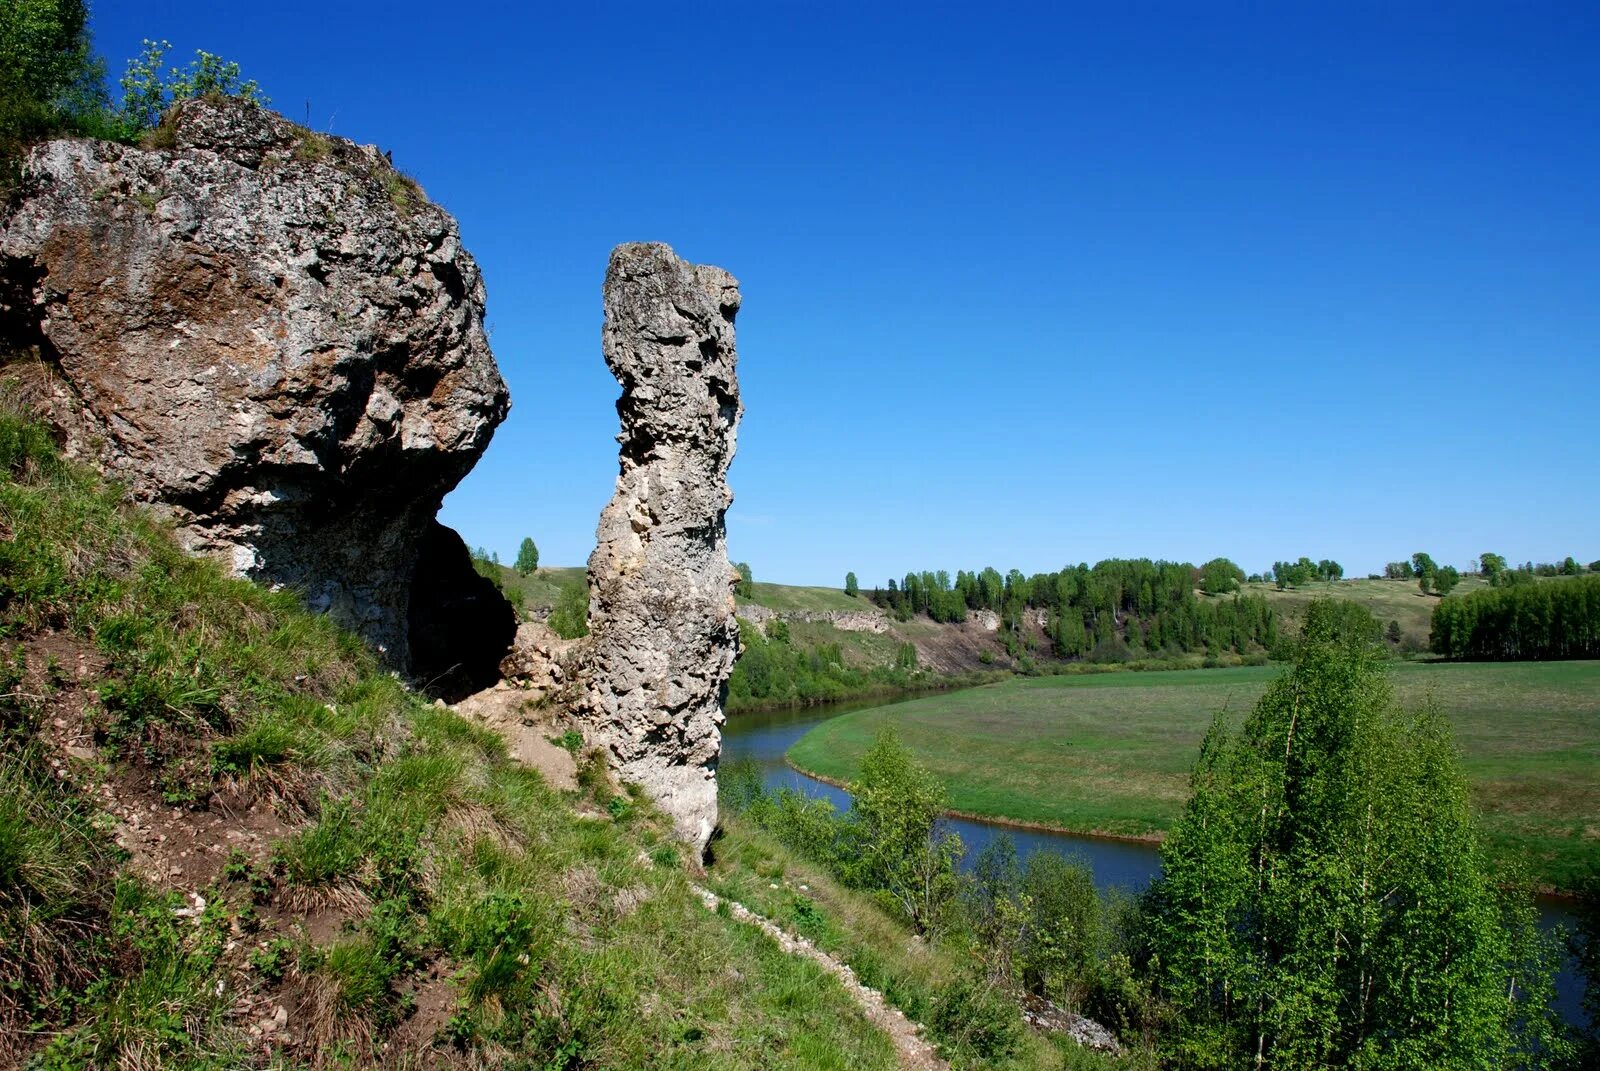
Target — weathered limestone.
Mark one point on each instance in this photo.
(873, 620)
(663, 638)
(272, 337)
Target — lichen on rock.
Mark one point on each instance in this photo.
(272, 337)
(663, 638)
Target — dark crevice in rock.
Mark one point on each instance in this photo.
(460, 625)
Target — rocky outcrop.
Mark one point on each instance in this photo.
(874, 621)
(271, 336)
(987, 620)
(537, 661)
(1043, 1015)
(663, 638)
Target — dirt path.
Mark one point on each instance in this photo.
(915, 1053)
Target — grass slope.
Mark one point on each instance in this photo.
(540, 588)
(787, 597)
(231, 840)
(1389, 600)
(1111, 753)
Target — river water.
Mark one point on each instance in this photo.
(764, 739)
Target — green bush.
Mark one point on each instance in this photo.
(970, 1019)
(570, 616)
(148, 91)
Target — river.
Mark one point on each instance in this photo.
(765, 737)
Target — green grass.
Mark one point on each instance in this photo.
(1111, 753)
(561, 941)
(785, 597)
(539, 589)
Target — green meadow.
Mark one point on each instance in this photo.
(1110, 753)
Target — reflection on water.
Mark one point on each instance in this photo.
(764, 738)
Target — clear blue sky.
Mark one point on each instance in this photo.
(1023, 286)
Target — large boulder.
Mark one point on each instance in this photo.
(271, 336)
(652, 681)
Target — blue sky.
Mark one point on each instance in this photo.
(1023, 286)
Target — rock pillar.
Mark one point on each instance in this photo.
(662, 632)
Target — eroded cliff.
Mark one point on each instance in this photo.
(271, 336)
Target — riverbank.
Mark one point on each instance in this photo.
(1151, 839)
(1118, 862)
(1109, 755)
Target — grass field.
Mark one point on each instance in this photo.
(1111, 753)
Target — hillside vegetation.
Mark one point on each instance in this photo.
(231, 841)
(1324, 899)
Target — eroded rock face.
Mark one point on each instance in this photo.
(271, 336)
(663, 638)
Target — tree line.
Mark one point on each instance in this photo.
(1114, 609)
(1299, 573)
(1521, 621)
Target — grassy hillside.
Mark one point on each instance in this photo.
(231, 840)
(784, 597)
(539, 589)
(1389, 600)
(1111, 753)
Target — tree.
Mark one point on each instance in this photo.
(746, 586)
(1220, 576)
(1398, 571)
(1446, 579)
(851, 588)
(1325, 899)
(1521, 618)
(44, 55)
(527, 558)
(1394, 633)
(900, 848)
(1491, 565)
(1425, 570)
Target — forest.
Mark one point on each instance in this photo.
(1521, 621)
(1117, 608)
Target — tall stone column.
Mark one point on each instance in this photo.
(661, 615)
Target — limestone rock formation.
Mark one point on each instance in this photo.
(874, 621)
(661, 614)
(270, 335)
